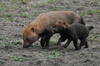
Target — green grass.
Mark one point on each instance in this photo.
(7, 45)
(93, 39)
(16, 1)
(88, 12)
(94, 36)
(56, 53)
(15, 58)
(7, 39)
(40, 5)
(35, 14)
(25, 1)
(49, 56)
(1, 8)
(24, 15)
(3, 4)
(43, 4)
(8, 16)
(52, 1)
(2, 61)
(18, 43)
(48, 3)
(52, 42)
(1, 38)
(74, 1)
(56, 8)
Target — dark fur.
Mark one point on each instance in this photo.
(57, 29)
(45, 37)
(48, 33)
(74, 32)
(82, 21)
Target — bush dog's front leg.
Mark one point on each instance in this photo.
(42, 42)
(46, 38)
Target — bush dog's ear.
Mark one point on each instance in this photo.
(32, 29)
(65, 23)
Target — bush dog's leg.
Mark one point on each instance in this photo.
(82, 43)
(48, 39)
(60, 40)
(86, 44)
(75, 44)
(45, 39)
(42, 42)
(67, 43)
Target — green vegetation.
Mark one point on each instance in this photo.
(7, 45)
(88, 12)
(49, 56)
(2, 6)
(16, 0)
(1, 38)
(7, 38)
(56, 53)
(51, 1)
(18, 58)
(24, 15)
(56, 8)
(8, 16)
(47, 3)
(94, 36)
(25, 1)
(2, 61)
(52, 42)
(18, 42)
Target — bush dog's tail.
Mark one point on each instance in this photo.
(90, 28)
(82, 21)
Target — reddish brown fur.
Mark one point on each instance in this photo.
(47, 20)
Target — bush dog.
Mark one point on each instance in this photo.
(73, 32)
(42, 26)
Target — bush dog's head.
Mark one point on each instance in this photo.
(29, 36)
(62, 24)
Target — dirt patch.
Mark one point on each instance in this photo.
(16, 14)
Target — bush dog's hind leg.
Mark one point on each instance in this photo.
(75, 44)
(67, 43)
(86, 44)
(83, 41)
(60, 40)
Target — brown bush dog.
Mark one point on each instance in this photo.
(42, 26)
(73, 32)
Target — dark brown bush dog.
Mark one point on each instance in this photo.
(42, 26)
(74, 32)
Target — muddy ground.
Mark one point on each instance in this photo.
(16, 14)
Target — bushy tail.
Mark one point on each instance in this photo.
(82, 21)
(90, 28)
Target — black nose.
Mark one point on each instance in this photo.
(25, 46)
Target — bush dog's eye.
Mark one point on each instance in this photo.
(27, 39)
